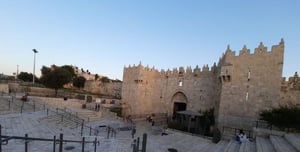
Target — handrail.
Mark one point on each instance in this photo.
(62, 112)
(54, 140)
(249, 133)
(77, 120)
(7, 138)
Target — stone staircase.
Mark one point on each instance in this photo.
(286, 143)
(89, 116)
(280, 144)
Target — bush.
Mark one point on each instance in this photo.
(282, 117)
(216, 135)
(175, 125)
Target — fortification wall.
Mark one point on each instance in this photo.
(110, 88)
(146, 90)
(290, 91)
(250, 83)
(239, 87)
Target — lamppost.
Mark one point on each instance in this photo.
(17, 69)
(33, 76)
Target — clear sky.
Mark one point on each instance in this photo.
(105, 35)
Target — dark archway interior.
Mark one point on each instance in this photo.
(179, 106)
(179, 100)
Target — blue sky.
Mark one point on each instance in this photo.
(105, 35)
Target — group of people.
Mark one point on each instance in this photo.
(97, 107)
(150, 119)
(241, 137)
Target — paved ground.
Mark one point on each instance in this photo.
(20, 124)
(36, 124)
(40, 125)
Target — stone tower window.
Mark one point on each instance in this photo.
(180, 83)
(247, 96)
(249, 74)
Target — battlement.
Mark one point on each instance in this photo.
(261, 49)
(175, 72)
(292, 83)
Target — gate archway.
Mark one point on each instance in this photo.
(179, 101)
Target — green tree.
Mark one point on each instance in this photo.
(70, 69)
(55, 77)
(96, 76)
(45, 70)
(282, 117)
(79, 82)
(207, 120)
(105, 79)
(27, 77)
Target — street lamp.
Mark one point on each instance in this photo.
(34, 52)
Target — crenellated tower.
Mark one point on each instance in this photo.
(250, 83)
(239, 87)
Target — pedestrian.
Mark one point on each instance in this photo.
(133, 131)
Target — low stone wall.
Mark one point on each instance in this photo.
(58, 102)
(4, 88)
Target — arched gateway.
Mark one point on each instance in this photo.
(179, 101)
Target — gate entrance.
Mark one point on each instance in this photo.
(180, 102)
(179, 106)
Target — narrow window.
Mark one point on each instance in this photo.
(249, 75)
(180, 83)
(247, 95)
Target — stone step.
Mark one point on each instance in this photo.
(248, 146)
(264, 145)
(232, 146)
(220, 146)
(294, 140)
(281, 145)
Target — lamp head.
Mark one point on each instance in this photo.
(34, 50)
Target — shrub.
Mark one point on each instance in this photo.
(216, 135)
(282, 117)
(175, 125)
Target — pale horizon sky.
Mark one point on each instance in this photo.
(103, 36)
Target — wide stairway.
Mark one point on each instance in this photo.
(286, 143)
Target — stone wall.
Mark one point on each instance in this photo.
(290, 91)
(4, 88)
(250, 83)
(111, 88)
(146, 90)
(58, 102)
(238, 87)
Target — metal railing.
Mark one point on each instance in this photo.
(230, 131)
(64, 114)
(67, 116)
(5, 139)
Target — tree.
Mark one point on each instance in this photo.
(55, 77)
(207, 120)
(105, 79)
(27, 77)
(79, 82)
(96, 76)
(70, 69)
(282, 117)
